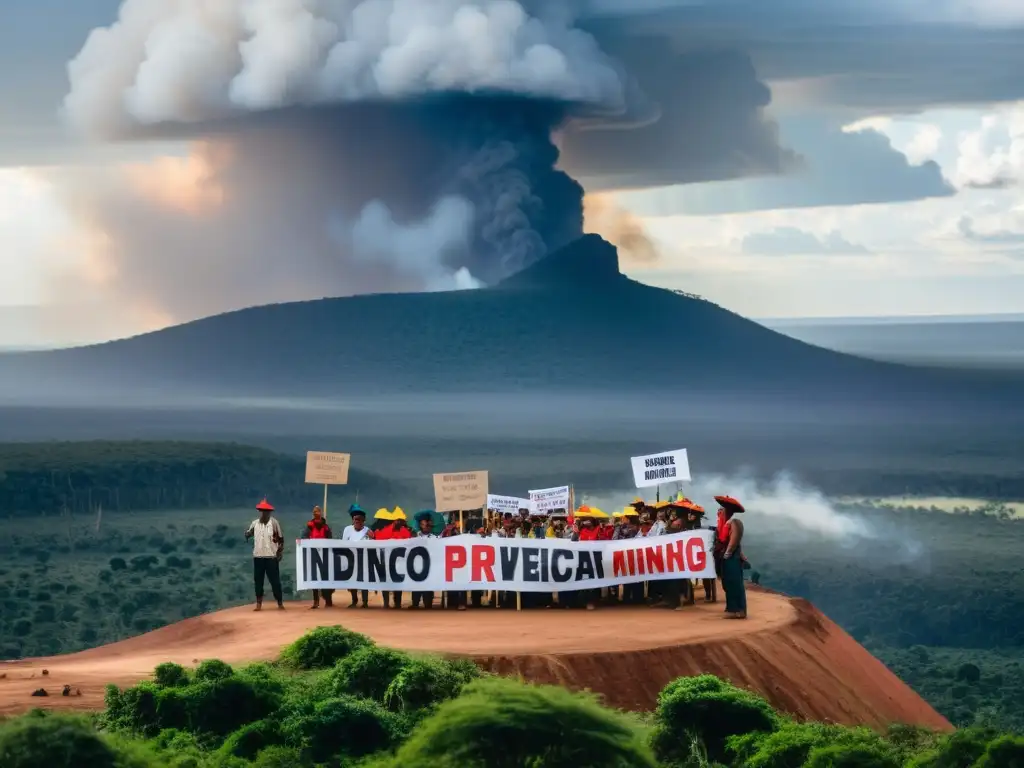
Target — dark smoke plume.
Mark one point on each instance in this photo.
(347, 146)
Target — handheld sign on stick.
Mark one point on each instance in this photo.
(657, 468)
(327, 469)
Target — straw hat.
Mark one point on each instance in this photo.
(729, 504)
(264, 506)
(383, 514)
(398, 514)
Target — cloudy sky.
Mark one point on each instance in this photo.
(811, 159)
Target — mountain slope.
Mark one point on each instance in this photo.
(570, 322)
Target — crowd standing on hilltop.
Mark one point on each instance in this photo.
(638, 520)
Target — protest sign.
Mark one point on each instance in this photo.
(546, 500)
(658, 468)
(460, 491)
(470, 562)
(503, 504)
(327, 468)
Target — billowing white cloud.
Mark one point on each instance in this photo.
(792, 241)
(992, 155)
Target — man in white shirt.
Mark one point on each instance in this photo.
(425, 530)
(357, 532)
(267, 551)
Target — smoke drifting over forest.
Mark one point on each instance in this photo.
(346, 146)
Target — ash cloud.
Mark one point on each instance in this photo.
(367, 145)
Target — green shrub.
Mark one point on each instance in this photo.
(279, 757)
(792, 743)
(53, 741)
(1005, 752)
(341, 726)
(251, 738)
(213, 669)
(710, 710)
(367, 672)
(499, 723)
(960, 748)
(850, 756)
(219, 707)
(425, 682)
(323, 648)
(170, 675)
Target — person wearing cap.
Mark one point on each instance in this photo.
(396, 531)
(732, 559)
(357, 532)
(267, 551)
(589, 530)
(425, 530)
(317, 528)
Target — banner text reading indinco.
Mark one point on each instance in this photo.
(470, 562)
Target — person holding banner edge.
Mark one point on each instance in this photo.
(317, 528)
(396, 531)
(425, 523)
(357, 532)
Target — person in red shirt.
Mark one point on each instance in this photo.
(317, 528)
(589, 530)
(397, 530)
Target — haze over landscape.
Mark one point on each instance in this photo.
(537, 238)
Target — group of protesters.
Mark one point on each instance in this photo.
(640, 519)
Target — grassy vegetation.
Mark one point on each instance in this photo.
(57, 478)
(931, 594)
(336, 700)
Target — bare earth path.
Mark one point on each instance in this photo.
(787, 651)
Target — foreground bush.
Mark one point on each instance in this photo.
(323, 648)
(41, 740)
(367, 672)
(851, 756)
(792, 743)
(709, 710)
(345, 726)
(379, 708)
(211, 704)
(498, 723)
(423, 683)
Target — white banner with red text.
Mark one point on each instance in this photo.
(473, 562)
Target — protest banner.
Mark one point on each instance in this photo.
(546, 500)
(326, 469)
(503, 504)
(658, 468)
(470, 562)
(454, 492)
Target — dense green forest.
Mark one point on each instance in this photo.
(82, 477)
(939, 598)
(336, 700)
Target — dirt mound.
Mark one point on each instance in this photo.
(787, 651)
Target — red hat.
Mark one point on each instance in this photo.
(264, 506)
(729, 503)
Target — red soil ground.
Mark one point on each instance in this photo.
(787, 651)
